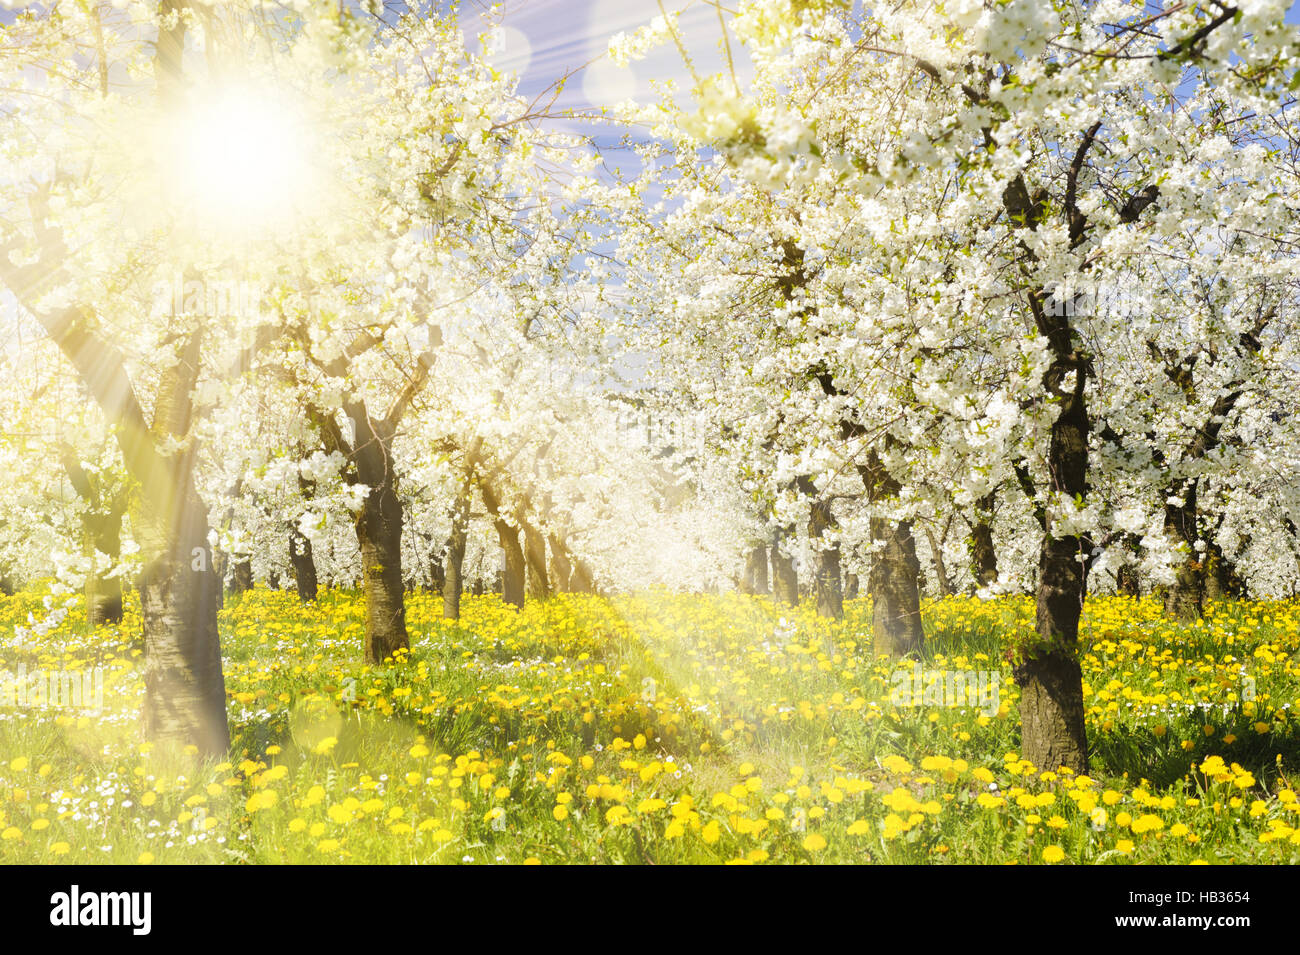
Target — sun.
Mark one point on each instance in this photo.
(241, 160)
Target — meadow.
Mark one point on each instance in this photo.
(662, 728)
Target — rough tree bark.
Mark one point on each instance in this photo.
(1047, 669)
(378, 524)
(1222, 582)
(241, 576)
(984, 556)
(893, 580)
(583, 581)
(379, 532)
(303, 563)
(1185, 600)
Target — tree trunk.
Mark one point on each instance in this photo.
(1048, 672)
(101, 525)
(379, 532)
(241, 578)
(561, 566)
(453, 581)
(303, 563)
(1185, 600)
(894, 578)
(785, 581)
(104, 594)
(896, 598)
(220, 564)
(851, 586)
(539, 586)
(582, 581)
(1127, 582)
(1222, 581)
(984, 556)
(755, 579)
(514, 572)
(437, 575)
(512, 580)
(185, 692)
(943, 584)
(827, 588)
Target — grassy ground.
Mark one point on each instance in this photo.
(663, 728)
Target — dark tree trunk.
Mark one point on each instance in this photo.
(437, 574)
(1185, 600)
(241, 576)
(513, 574)
(1127, 582)
(895, 595)
(1222, 582)
(895, 572)
(378, 525)
(785, 581)
(984, 556)
(851, 586)
(539, 585)
(827, 587)
(303, 563)
(478, 587)
(379, 532)
(755, 578)
(1048, 672)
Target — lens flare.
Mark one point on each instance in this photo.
(242, 160)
